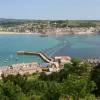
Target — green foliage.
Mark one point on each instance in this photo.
(73, 82)
(10, 24)
(42, 24)
(76, 86)
(35, 97)
(17, 80)
(53, 91)
(96, 77)
(89, 97)
(9, 91)
(87, 24)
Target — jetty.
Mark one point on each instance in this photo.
(40, 54)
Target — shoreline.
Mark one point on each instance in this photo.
(15, 33)
(48, 34)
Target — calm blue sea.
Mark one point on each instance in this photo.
(83, 46)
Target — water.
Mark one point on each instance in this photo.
(82, 46)
(85, 46)
(10, 44)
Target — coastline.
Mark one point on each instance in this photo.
(19, 33)
(48, 34)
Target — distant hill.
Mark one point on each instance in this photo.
(72, 23)
(3, 20)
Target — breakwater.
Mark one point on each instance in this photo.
(40, 54)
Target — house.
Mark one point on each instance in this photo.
(62, 59)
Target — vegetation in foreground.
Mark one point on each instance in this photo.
(77, 81)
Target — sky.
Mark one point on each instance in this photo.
(50, 9)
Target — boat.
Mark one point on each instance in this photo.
(43, 35)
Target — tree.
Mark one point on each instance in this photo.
(9, 91)
(96, 78)
(78, 87)
(80, 67)
(53, 92)
(16, 79)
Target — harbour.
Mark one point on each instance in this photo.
(81, 46)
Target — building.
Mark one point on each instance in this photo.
(23, 68)
(51, 67)
(62, 59)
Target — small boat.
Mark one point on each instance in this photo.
(44, 35)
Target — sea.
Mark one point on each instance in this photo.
(76, 46)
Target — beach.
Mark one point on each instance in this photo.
(4, 33)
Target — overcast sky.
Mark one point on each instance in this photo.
(50, 9)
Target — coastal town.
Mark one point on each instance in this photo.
(44, 28)
(49, 65)
(49, 50)
(51, 27)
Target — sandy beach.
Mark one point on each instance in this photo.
(5, 33)
(49, 33)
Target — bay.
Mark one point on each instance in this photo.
(82, 46)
